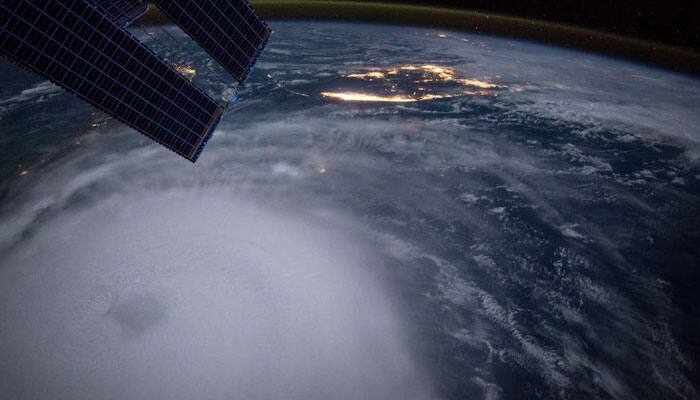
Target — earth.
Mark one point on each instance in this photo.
(387, 213)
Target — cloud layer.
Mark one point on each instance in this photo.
(195, 293)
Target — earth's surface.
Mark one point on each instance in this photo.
(388, 213)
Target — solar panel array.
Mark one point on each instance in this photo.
(79, 47)
(229, 30)
(122, 12)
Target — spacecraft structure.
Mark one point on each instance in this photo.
(84, 47)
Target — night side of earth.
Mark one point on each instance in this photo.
(387, 212)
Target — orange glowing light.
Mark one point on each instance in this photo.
(373, 75)
(479, 84)
(435, 96)
(423, 76)
(186, 71)
(365, 97)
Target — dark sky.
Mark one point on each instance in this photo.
(675, 22)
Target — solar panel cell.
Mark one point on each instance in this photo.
(89, 55)
(121, 12)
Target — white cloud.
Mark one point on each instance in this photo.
(191, 290)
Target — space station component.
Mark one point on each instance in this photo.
(84, 47)
(229, 30)
(122, 12)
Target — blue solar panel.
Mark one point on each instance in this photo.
(229, 30)
(122, 12)
(79, 47)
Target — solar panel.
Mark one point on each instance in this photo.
(78, 47)
(229, 30)
(122, 12)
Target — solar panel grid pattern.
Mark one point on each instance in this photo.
(229, 30)
(77, 47)
(117, 9)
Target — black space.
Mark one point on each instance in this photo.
(674, 22)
